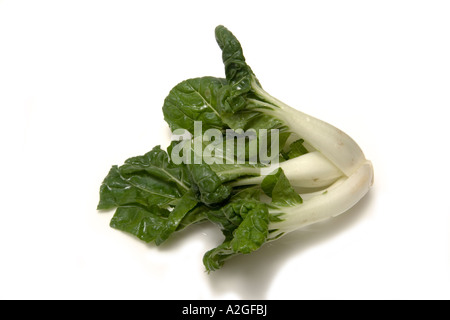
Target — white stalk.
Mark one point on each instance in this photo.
(334, 144)
(311, 170)
(328, 204)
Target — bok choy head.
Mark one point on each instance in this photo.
(316, 171)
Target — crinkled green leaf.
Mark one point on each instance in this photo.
(277, 186)
(185, 204)
(230, 172)
(117, 190)
(145, 223)
(245, 104)
(239, 75)
(152, 223)
(296, 149)
(270, 181)
(207, 184)
(156, 163)
(250, 235)
(215, 258)
(231, 215)
(196, 215)
(147, 180)
(195, 100)
(244, 221)
(252, 232)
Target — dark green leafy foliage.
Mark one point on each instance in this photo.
(245, 224)
(152, 223)
(144, 223)
(215, 258)
(142, 189)
(238, 73)
(152, 194)
(277, 187)
(207, 184)
(156, 196)
(195, 100)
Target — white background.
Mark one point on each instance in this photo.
(81, 88)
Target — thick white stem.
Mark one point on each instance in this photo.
(334, 144)
(311, 170)
(327, 205)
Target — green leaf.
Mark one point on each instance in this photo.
(144, 189)
(226, 218)
(117, 190)
(230, 172)
(152, 223)
(277, 186)
(157, 164)
(215, 258)
(239, 75)
(247, 193)
(270, 181)
(195, 100)
(239, 97)
(146, 180)
(231, 215)
(252, 232)
(145, 223)
(196, 215)
(207, 184)
(244, 221)
(186, 204)
(296, 149)
(250, 235)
